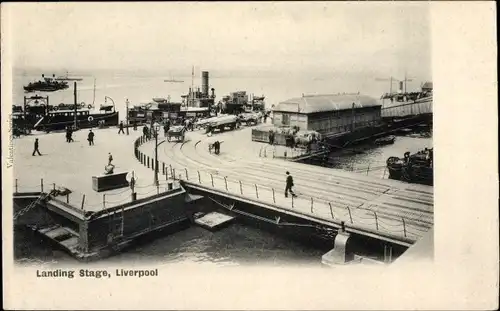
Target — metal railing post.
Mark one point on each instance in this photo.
(292, 201)
(350, 215)
(173, 173)
(67, 198)
(16, 186)
(41, 184)
(368, 169)
(376, 219)
(166, 174)
(404, 226)
(148, 161)
(212, 178)
(199, 177)
(274, 198)
(312, 203)
(163, 168)
(256, 191)
(187, 177)
(83, 201)
(225, 181)
(241, 188)
(331, 210)
(104, 201)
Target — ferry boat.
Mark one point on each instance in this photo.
(85, 118)
(47, 85)
(415, 168)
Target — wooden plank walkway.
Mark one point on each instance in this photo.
(388, 206)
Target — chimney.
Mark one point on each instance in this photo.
(204, 83)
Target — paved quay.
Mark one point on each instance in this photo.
(72, 165)
(382, 205)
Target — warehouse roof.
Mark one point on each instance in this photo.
(320, 103)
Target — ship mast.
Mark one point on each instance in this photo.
(75, 104)
(93, 100)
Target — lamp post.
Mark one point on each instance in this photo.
(126, 102)
(156, 127)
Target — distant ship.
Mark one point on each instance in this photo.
(68, 78)
(47, 85)
(173, 81)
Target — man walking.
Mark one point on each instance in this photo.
(36, 148)
(121, 128)
(289, 185)
(91, 138)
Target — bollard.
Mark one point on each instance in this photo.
(225, 181)
(312, 203)
(16, 185)
(404, 226)
(67, 198)
(212, 178)
(41, 184)
(274, 198)
(241, 188)
(331, 210)
(83, 201)
(350, 216)
(256, 191)
(376, 219)
(187, 177)
(199, 177)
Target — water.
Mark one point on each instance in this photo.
(238, 244)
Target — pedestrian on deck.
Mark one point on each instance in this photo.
(271, 137)
(67, 134)
(91, 138)
(265, 117)
(36, 148)
(217, 147)
(110, 158)
(121, 128)
(145, 131)
(135, 125)
(289, 185)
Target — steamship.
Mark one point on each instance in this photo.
(77, 116)
(196, 103)
(47, 85)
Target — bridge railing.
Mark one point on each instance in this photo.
(423, 106)
(408, 227)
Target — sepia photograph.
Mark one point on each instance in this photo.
(219, 134)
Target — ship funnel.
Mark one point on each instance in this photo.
(400, 90)
(204, 83)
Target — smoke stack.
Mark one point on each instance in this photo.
(204, 83)
(400, 90)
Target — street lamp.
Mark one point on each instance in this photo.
(127, 102)
(156, 127)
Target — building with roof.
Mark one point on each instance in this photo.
(328, 114)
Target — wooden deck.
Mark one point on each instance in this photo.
(379, 205)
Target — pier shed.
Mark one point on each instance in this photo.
(328, 114)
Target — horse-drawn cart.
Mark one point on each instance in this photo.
(177, 132)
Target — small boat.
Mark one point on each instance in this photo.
(47, 85)
(385, 140)
(68, 78)
(415, 168)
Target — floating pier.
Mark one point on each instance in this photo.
(213, 221)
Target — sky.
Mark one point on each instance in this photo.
(378, 38)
